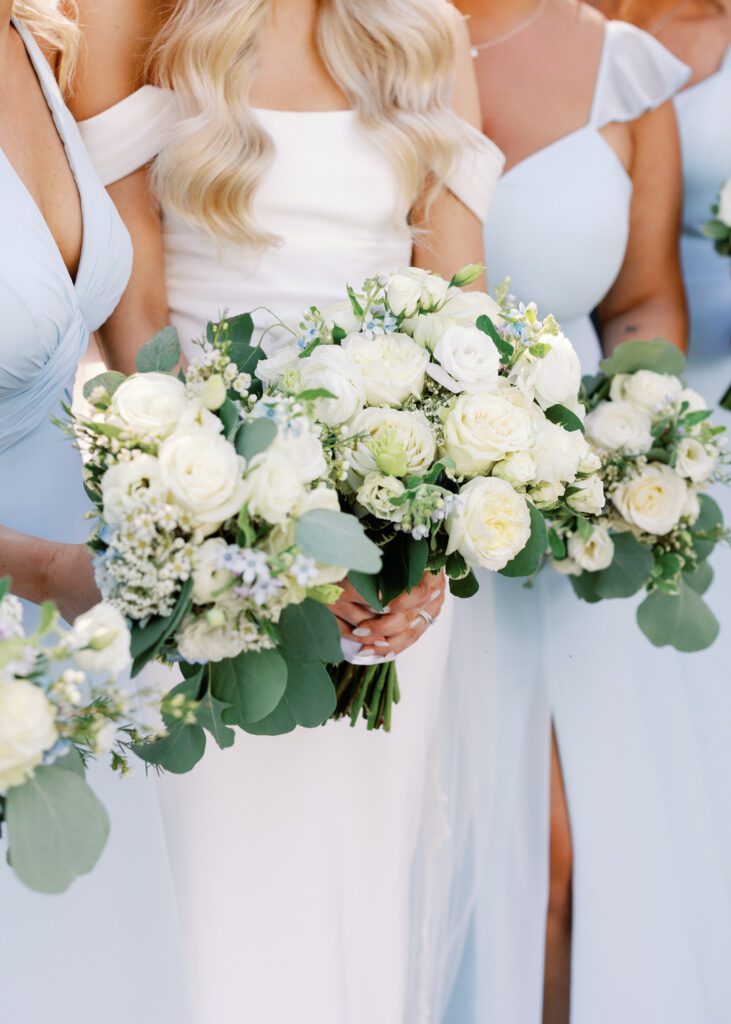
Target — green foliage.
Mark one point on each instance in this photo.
(147, 640)
(657, 355)
(367, 587)
(57, 829)
(252, 684)
(417, 553)
(109, 381)
(255, 436)
(161, 354)
(683, 620)
(708, 522)
(395, 572)
(312, 394)
(178, 751)
(505, 349)
(5, 583)
(335, 538)
(557, 544)
(308, 701)
(700, 578)
(466, 586)
(309, 632)
(564, 418)
(528, 561)
(630, 569)
(209, 716)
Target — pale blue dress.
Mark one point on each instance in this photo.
(651, 908)
(106, 950)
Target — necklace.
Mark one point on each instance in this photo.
(660, 24)
(520, 27)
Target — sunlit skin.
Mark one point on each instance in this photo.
(291, 75)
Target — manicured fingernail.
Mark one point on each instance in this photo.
(361, 631)
(386, 610)
(435, 595)
(380, 643)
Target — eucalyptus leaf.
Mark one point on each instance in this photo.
(528, 561)
(657, 355)
(309, 632)
(71, 762)
(147, 640)
(467, 586)
(255, 436)
(57, 829)
(564, 418)
(701, 579)
(395, 572)
(252, 684)
(417, 554)
(630, 569)
(161, 354)
(367, 587)
(178, 751)
(710, 518)
(585, 587)
(209, 716)
(336, 538)
(109, 381)
(308, 701)
(683, 621)
(229, 415)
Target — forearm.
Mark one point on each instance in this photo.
(28, 561)
(660, 316)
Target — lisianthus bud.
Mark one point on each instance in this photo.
(213, 392)
(467, 274)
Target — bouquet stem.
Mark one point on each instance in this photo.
(369, 691)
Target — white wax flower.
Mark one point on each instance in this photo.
(490, 524)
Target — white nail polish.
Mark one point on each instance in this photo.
(361, 632)
(380, 643)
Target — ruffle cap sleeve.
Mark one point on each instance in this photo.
(476, 173)
(636, 74)
(130, 134)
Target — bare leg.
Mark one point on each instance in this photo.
(557, 978)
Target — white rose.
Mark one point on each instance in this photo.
(468, 307)
(695, 461)
(653, 500)
(482, 429)
(392, 366)
(490, 523)
(426, 329)
(301, 445)
(654, 392)
(403, 293)
(209, 574)
(375, 494)
(620, 426)
(100, 640)
(342, 315)
(121, 479)
(593, 554)
(694, 401)
(468, 361)
(565, 566)
(558, 453)
(588, 496)
(331, 368)
(271, 488)
(590, 463)
(27, 730)
(724, 204)
(552, 380)
(395, 442)
(271, 371)
(203, 473)
(148, 404)
(518, 469)
(433, 290)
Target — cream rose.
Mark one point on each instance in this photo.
(100, 640)
(553, 379)
(587, 496)
(654, 392)
(653, 500)
(342, 315)
(331, 368)
(468, 307)
(392, 366)
(558, 453)
(395, 442)
(482, 429)
(148, 405)
(403, 293)
(301, 445)
(375, 494)
(595, 553)
(695, 402)
(121, 479)
(490, 524)
(272, 487)
(620, 427)
(203, 474)
(467, 360)
(518, 469)
(209, 574)
(695, 461)
(27, 730)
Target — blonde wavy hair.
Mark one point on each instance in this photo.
(394, 60)
(54, 23)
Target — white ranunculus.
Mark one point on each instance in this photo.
(553, 379)
(271, 371)
(695, 461)
(272, 488)
(209, 574)
(121, 479)
(27, 730)
(724, 204)
(342, 314)
(620, 427)
(403, 293)
(653, 500)
(330, 367)
(518, 469)
(654, 392)
(593, 554)
(148, 404)
(301, 445)
(204, 475)
(375, 494)
(482, 429)
(468, 361)
(490, 524)
(588, 496)
(100, 640)
(394, 442)
(392, 366)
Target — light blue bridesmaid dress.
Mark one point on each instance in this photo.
(651, 907)
(107, 949)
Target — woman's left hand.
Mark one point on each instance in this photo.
(407, 618)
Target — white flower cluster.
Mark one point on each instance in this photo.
(416, 370)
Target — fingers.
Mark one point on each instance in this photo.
(400, 629)
(402, 616)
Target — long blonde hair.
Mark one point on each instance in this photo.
(394, 60)
(54, 23)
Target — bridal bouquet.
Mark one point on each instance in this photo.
(456, 420)
(219, 537)
(59, 707)
(656, 451)
(719, 228)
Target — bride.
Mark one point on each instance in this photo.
(296, 146)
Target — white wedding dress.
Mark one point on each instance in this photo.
(292, 856)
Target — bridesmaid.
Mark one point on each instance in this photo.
(603, 891)
(64, 262)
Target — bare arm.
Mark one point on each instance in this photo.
(116, 38)
(647, 300)
(43, 570)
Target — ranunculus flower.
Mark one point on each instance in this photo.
(482, 429)
(466, 360)
(204, 475)
(395, 442)
(27, 730)
(490, 524)
(653, 500)
(392, 366)
(553, 379)
(375, 494)
(695, 461)
(595, 553)
(620, 427)
(148, 404)
(100, 640)
(331, 368)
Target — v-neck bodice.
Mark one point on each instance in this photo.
(47, 316)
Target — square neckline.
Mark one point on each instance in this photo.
(51, 95)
